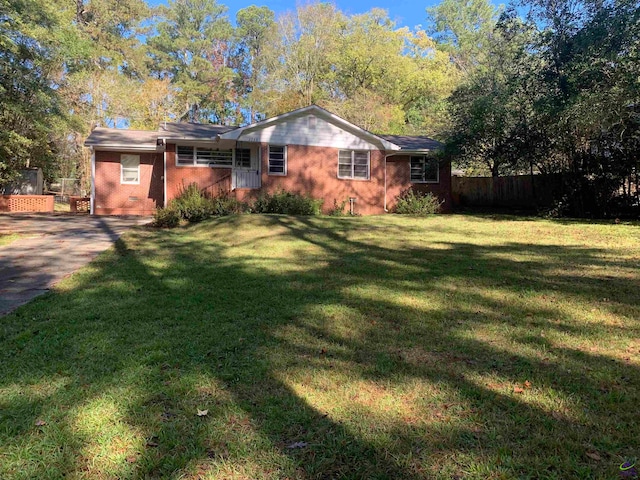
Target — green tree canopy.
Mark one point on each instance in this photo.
(190, 46)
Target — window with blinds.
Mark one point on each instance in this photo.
(187, 156)
(353, 164)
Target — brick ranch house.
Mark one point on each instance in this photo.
(309, 151)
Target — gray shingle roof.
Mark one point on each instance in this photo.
(147, 139)
(192, 130)
(118, 136)
(406, 142)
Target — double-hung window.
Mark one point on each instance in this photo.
(353, 164)
(424, 169)
(277, 160)
(130, 169)
(188, 156)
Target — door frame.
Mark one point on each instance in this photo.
(256, 165)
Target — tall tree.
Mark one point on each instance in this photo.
(190, 46)
(383, 78)
(370, 72)
(571, 108)
(492, 111)
(464, 28)
(36, 40)
(113, 29)
(299, 56)
(96, 86)
(252, 33)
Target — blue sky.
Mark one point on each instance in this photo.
(406, 13)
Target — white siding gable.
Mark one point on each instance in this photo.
(304, 130)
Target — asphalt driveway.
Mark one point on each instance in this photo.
(51, 247)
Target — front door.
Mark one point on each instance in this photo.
(246, 168)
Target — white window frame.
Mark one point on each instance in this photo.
(353, 163)
(425, 159)
(194, 158)
(236, 159)
(122, 169)
(277, 174)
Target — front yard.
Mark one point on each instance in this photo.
(383, 347)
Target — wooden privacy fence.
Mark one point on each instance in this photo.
(26, 203)
(520, 191)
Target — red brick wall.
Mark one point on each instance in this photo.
(114, 198)
(26, 203)
(211, 179)
(314, 171)
(399, 180)
(310, 170)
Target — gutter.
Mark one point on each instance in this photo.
(123, 148)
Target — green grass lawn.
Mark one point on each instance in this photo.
(378, 347)
(7, 238)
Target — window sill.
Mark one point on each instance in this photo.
(129, 183)
(277, 174)
(430, 182)
(355, 179)
(203, 166)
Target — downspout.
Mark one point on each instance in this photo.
(92, 208)
(164, 173)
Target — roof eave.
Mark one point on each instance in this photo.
(191, 139)
(390, 146)
(418, 150)
(124, 147)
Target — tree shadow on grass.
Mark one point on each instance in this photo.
(344, 358)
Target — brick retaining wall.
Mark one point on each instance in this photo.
(26, 203)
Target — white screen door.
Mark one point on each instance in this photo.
(246, 168)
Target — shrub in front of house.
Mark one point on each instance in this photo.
(192, 204)
(287, 203)
(166, 218)
(416, 203)
(226, 205)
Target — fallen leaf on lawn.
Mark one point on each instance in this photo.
(203, 413)
(518, 390)
(594, 456)
(40, 423)
(527, 384)
(132, 459)
(297, 445)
